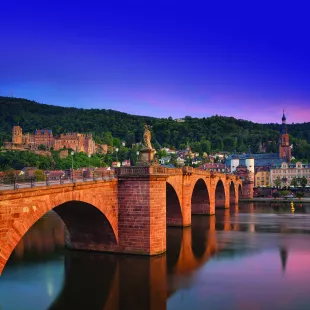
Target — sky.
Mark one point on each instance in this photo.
(249, 60)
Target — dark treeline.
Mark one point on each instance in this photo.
(112, 127)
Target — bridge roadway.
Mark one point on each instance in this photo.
(128, 214)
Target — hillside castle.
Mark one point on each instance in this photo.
(79, 142)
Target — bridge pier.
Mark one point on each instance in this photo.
(142, 210)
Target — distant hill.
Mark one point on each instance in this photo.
(222, 133)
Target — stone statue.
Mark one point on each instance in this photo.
(147, 138)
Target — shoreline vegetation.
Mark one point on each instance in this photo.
(203, 135)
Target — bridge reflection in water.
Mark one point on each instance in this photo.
(109, 281)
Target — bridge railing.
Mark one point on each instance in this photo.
(22, 181)
(141, 171)
(191, 170)
(175, 170)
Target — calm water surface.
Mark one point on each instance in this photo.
(255, 257)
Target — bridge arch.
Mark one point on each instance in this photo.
(200, 199)
(87, 228)
(89, 225)
(239, 191)
(232, 193)
(220, 194)
(173, 207)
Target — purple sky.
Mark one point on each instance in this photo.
(160, 58)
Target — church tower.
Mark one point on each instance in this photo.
(17, 135)
(284, 148)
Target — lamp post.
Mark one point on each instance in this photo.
(89, 156)
(116, 155)
(72, 153)
(137, 156)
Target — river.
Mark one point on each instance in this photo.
(255, 256)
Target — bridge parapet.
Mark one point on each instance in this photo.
(187, 170)
(141, 171)
(172, 171)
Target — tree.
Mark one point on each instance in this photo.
(294, 182)
(206, 146)
(223, 133)
(299, 195)
(162, 153)
(117, 142)
(284, 192)
(277, 182)
(107, 138)
(42, 147)
(303, 182)
(8, 176)
(188, 161)
(39, 175)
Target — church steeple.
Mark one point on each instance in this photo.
(283, 118)
(283, 127)
(284, 147)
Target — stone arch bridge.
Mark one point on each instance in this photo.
(128, 214)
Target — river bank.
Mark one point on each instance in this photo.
(264, 199)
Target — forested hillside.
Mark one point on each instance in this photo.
(203, 134)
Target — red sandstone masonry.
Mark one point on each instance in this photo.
(142, 216)
(135, 208)
(25, 206)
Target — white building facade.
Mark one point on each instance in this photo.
(286, 172)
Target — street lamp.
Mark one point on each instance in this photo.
(137, 155)
(116, 154)
(72, 153)
(89, 156)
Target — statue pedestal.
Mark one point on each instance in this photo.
(146, 157)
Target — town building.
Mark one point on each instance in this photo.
(219, 167)
(165, 160)
(180, 161)
(247, 161)
(126, 163)
(187, 153)
(247, 177)
(196, 160)
(266, 159)
(168, 151)
(286, 172)
(55, 174)
(262, 176)
(28, 171)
